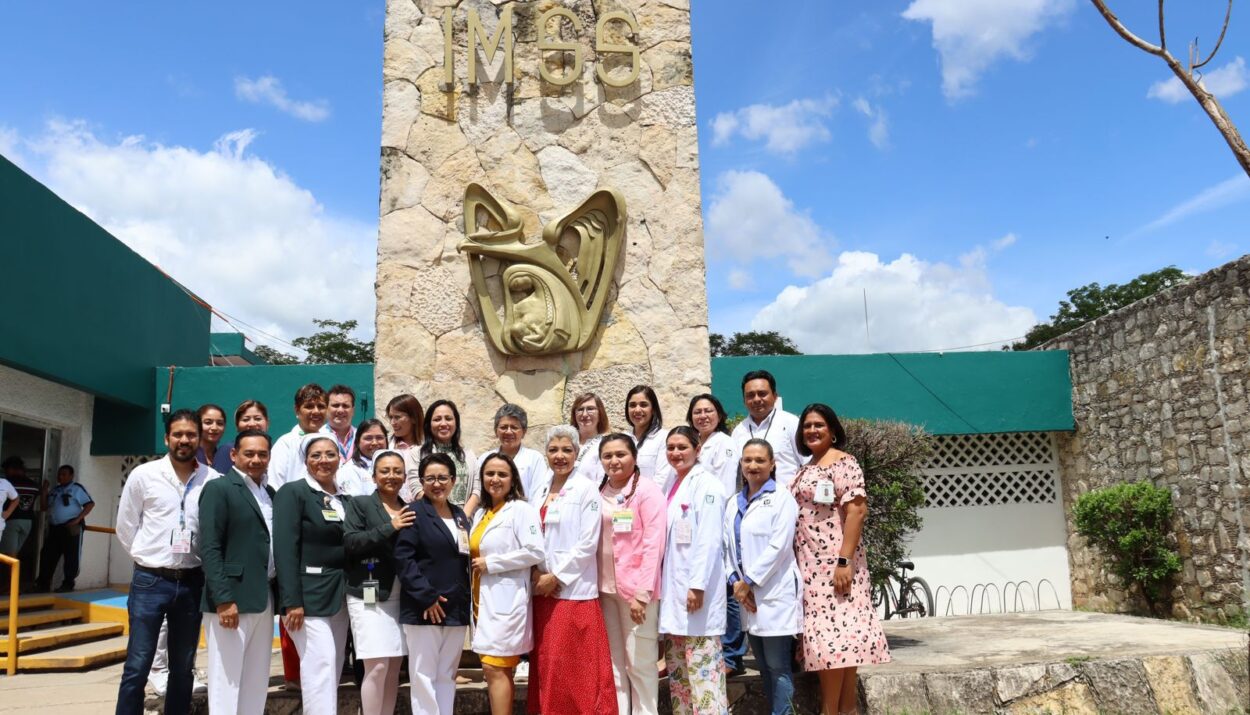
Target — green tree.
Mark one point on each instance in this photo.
(752, 343)
(891, 455)
(275, 357)
(1090, 302)
(332, 345)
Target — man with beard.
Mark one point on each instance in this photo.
(158, 525)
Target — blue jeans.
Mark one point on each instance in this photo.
(733, 645)
(154, 599)
(775, 657)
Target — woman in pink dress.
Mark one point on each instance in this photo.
(840, 627)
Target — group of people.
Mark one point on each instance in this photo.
(67, 505)
(586, 562)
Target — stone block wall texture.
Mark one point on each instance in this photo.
(1160, 394)
(544, 149)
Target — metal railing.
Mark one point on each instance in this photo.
(15, 574)
(15, 580)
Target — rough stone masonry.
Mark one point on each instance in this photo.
(1159, 392)
(544, 148)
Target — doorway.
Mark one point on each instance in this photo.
(39, 448)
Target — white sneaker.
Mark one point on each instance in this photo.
(522, 671)
(159, 681)
(198, 686)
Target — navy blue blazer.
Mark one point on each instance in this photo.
(429, 564)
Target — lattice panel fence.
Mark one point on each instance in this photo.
(987, 469)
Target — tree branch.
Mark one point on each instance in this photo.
(1228, 14)
(1124, 32)
(1163, 37)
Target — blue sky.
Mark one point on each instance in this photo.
(958, 163)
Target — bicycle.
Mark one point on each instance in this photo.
(911, 599)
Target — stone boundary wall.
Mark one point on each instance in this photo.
(1159, 394)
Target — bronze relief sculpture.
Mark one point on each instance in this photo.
(542, 297)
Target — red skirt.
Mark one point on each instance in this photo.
(571, 665)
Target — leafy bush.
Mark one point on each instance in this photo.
(891, 455)
(1130, 523)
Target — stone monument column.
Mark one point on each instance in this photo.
(540, 231)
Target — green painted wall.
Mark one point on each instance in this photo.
(946, 393)
(83, 310)
(232, 344)
(274, 385)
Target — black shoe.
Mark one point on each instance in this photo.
(65, 588)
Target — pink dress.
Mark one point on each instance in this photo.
(839, 630)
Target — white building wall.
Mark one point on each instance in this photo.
(48, 404)
(993, 537)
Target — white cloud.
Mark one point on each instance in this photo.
(1223, 83)
(1004, 242)
(1229, 191)
(10, 145)
(751, 219)
(878, 127)
(970, 35)
(1220, 250)
(228, 225)
(912, 305)
(785, 129)
(741, 280)
(269, 90)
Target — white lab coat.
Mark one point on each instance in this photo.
(529, 462)
(284, 462)
(768, 562)
(588, 464)
(719, 456)
(511, 544)
(653, 457)
(571, 538)
(779, 429)
(699, 564)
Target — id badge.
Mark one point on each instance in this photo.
(370, 589)
(622, 521)
(553, 515)
(330, 515)
(462, 541)
(684, 532)
(824, 492)
(181, 541)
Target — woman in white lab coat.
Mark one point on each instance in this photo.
(759, 556)
(692, 605)
(567, 617)
(642, 411)
(717, 452)
(591, 420)
(504, 543)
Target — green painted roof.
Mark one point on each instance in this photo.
(946, 393)
(232, 345)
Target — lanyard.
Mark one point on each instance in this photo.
(345, 448)
(766, 429)
(182, 507)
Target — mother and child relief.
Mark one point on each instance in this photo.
(595, 567)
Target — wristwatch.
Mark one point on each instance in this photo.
(843, 561)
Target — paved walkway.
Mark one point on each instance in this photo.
(932, 645)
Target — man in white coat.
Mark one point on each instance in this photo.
(766, 420)
(310, 415)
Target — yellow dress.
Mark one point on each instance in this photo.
(475, 551)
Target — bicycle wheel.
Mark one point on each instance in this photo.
(918, 597)
(883, 600)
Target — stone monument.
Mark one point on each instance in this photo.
(540, 226)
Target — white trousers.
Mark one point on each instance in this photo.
(433, 656)
(321, 644)
(634, 655)
(238, 663)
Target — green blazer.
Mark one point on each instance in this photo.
(308, 551)
(234, 545)
(368, 534)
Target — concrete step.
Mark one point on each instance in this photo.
(60, 636)
(42, 600)
(41, 617)
(76, 657)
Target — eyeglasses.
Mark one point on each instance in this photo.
(440, 479)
